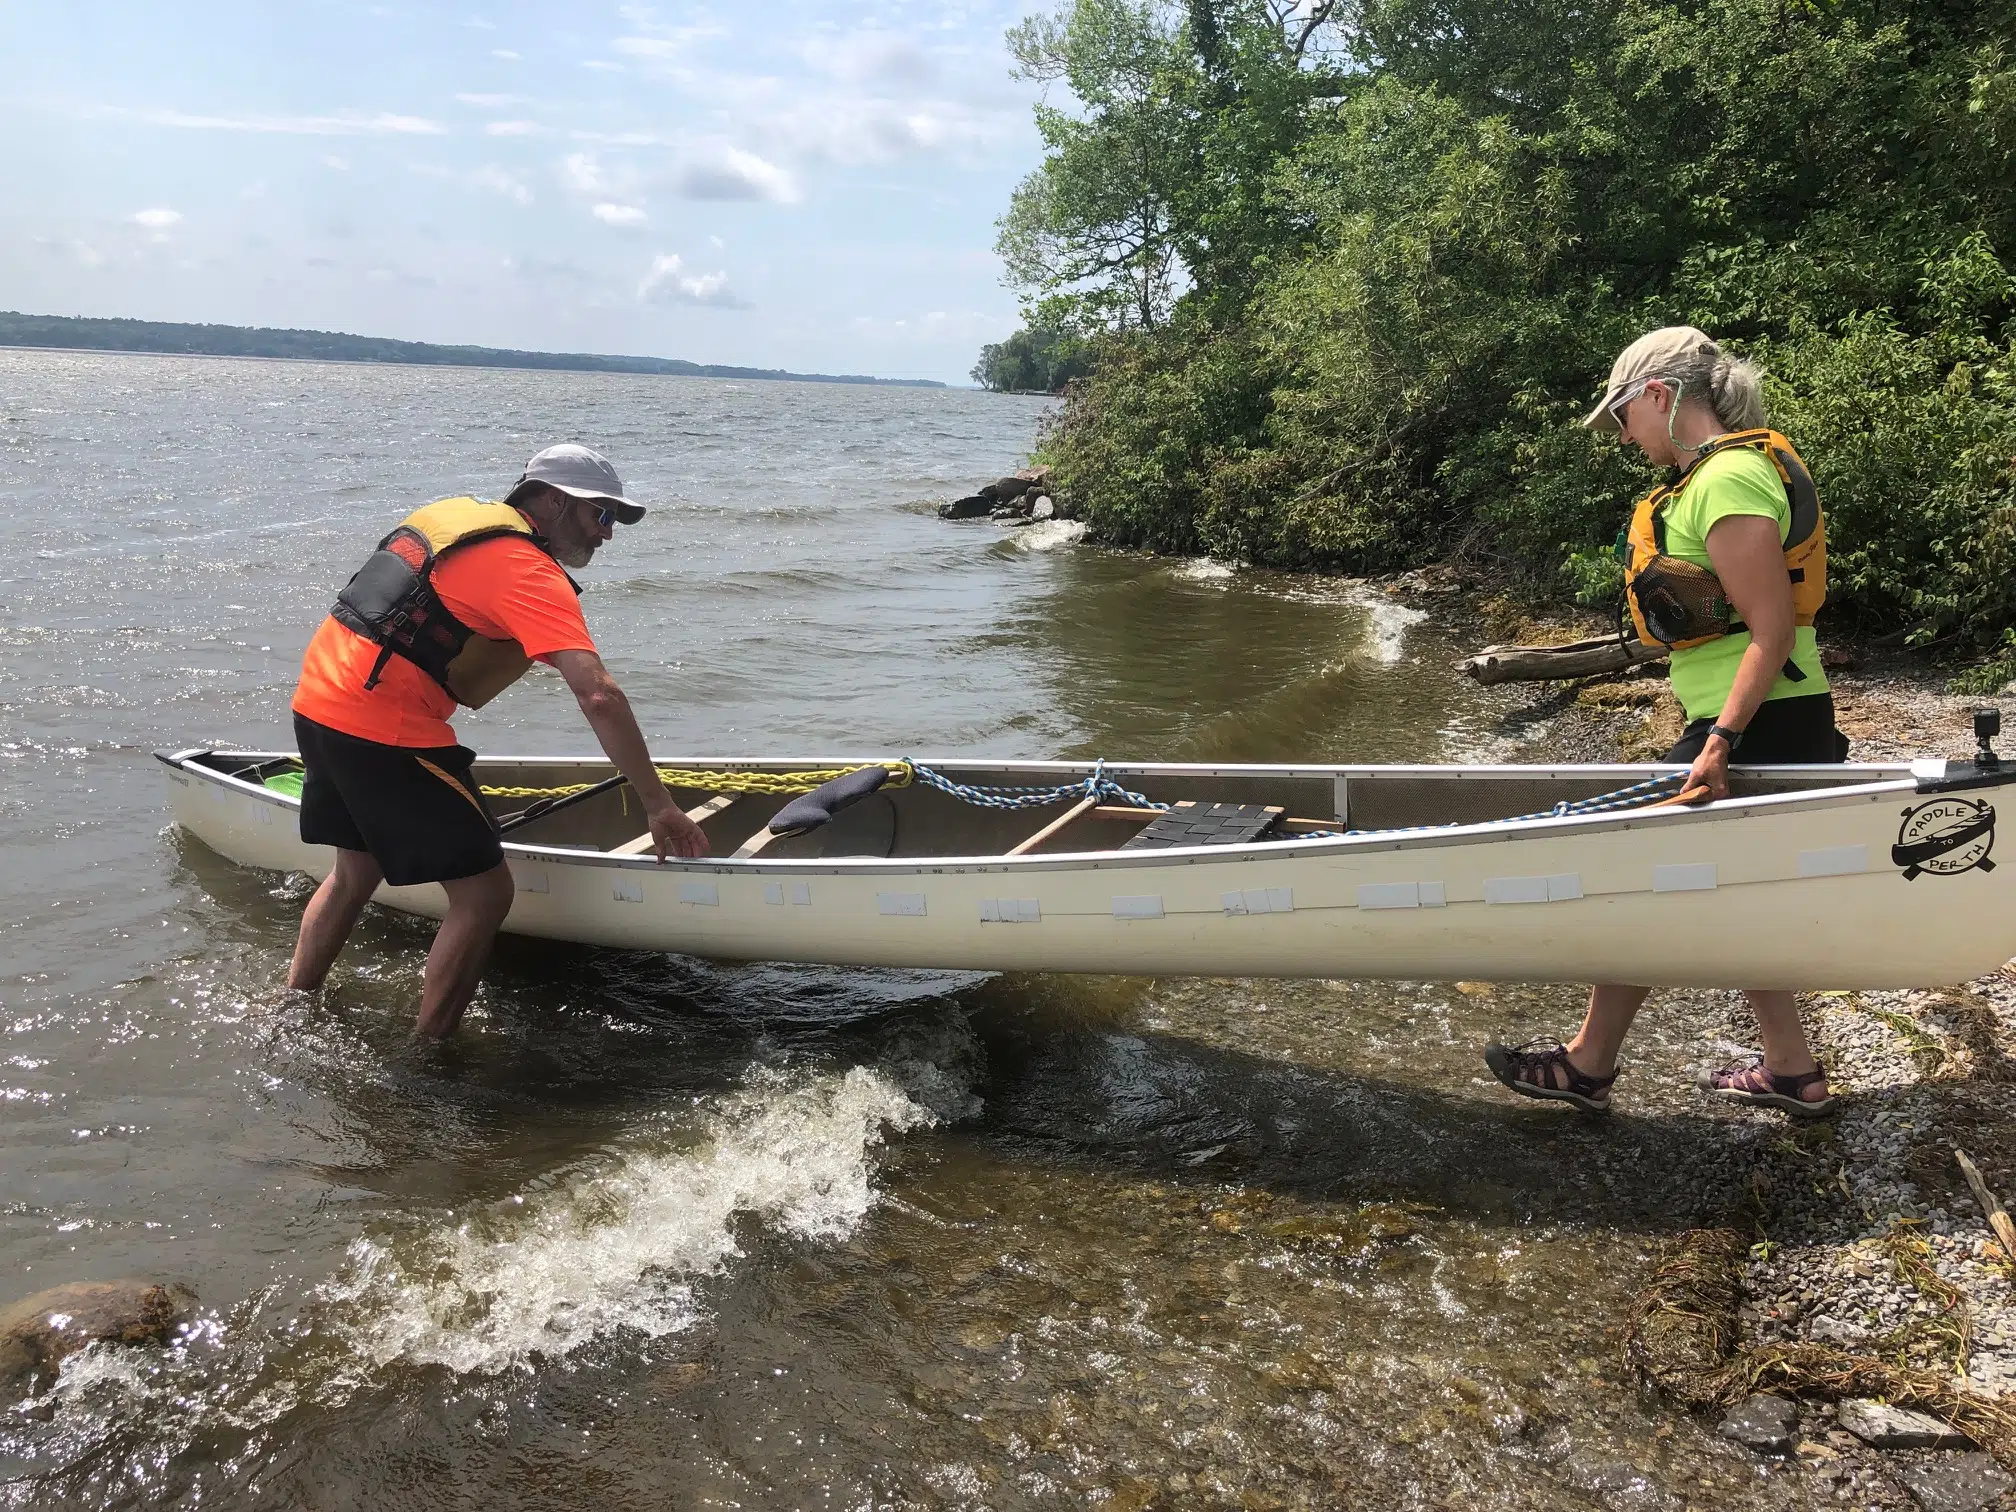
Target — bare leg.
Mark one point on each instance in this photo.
(331, 915)
(1594, 1049)
(476, 907)
(1786, 1052)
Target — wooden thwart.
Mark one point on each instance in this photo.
(699, 815)
(1081, 807)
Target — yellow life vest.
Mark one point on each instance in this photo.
(1678, 604)
(392, 601)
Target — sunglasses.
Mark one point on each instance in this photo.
(605, 514)
(1624, 401)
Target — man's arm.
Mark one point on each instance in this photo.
(608, 714)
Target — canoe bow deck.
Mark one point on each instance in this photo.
(1806, 878)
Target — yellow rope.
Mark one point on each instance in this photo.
(776, 784)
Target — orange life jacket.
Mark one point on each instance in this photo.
(1678, 604)
(392, 600)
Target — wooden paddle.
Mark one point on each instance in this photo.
(1682, 798)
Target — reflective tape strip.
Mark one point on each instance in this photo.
(1834, 861)
(1561, 887)
(1010, 911)
(1686, 876)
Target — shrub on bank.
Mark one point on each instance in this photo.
(1469, 221)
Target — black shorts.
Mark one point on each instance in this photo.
(416, 809)
(1783, 732)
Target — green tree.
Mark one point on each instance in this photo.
(1406, 259)
(1035, 360)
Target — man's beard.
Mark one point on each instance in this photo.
(576, 554)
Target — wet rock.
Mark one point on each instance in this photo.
(1881, 1426)
(1042, 508)
(1617, 1483)
(683, 1376)
(1351, 1232)
(972, 507)
(1956, 1482)
(38, 1333)
(1763, 1423)
(1005, 489)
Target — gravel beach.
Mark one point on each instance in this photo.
(1866, 1235)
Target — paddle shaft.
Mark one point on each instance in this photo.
(547, 806)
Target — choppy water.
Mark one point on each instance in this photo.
(655, 1232)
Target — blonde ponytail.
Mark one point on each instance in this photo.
(1736, 389)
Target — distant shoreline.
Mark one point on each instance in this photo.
(67, 333)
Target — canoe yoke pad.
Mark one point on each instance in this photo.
(813, 809)
(1207, 824)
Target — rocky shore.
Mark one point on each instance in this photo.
(1021, 498)
(1864, 1256)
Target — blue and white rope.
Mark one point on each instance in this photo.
(1635, 796)
(1098, 786)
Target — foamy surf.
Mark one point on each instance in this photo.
(1048, 535)
(620, 1247)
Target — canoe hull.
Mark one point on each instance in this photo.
(1797, 893)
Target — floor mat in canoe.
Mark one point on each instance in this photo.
(1207, 824)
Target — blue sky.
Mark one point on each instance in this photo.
(798, 185)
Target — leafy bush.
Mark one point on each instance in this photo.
(1469, 210)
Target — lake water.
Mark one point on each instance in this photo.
(656, 1232)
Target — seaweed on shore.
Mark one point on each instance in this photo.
(1683, 1334)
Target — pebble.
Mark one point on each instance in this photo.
(1767, 1424)
(1882, 1426)
(1956, 1482)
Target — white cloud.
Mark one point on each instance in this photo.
(340, 164)
(603, 65)
(490, 176)
(732, 174)
(491, 101)
(620, 215)
(716, 243)
(157, 220)
(505, 53)
(871, 57)
(668, 282)
(514, 128)
(343, 123)
(586, 175)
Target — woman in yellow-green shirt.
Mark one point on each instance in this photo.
(1728, 565)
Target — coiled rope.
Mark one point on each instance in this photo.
(775, 784)
(1096, 786)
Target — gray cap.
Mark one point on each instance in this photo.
(583, 473)
(1652, 355)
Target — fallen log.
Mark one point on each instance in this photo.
(1585, 658)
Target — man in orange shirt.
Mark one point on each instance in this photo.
(453, 607)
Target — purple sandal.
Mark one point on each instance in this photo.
(1755, 1083)
(1529, 1070)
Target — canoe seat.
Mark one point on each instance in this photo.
(1207, 824)
(699, 815)
(810, 810)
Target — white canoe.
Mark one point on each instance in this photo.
(1808, 877)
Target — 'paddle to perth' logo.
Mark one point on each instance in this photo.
(1945, 837)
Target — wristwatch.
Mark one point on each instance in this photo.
(1734, 737)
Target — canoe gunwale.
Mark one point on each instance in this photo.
(1899, 780)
